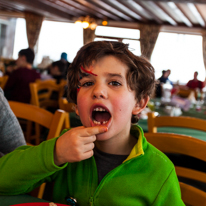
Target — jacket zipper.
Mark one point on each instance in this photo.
(91, 199)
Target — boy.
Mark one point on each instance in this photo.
(102, 162)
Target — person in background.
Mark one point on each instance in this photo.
(162, 80)
(107, 161)
(165, 76)
(11, 66)
(11, 135)
(17, 86)
(195, 83)
(57, 71)
(63, 58)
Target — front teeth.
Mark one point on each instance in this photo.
(99, 109)
(96, 122)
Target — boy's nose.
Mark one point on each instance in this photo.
(99, 92)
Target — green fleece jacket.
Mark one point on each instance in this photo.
(146, 177)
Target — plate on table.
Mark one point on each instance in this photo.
(38, 204)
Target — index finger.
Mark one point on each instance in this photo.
(96, 130)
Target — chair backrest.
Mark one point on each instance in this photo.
(168, 121)
(185, 93)
(184, 145)
(42, 91)
(3, 81)
(65, 105)
(54, 122)
(192, 196)
(68, 107)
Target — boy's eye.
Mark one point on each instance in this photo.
(114, 83)
(87, 84)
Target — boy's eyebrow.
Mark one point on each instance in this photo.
(114, 75)
(87, 74)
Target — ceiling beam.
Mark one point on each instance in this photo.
(156, 18)
(112, 10)
(201, 14)
(166, 12)
(83, 8)
(37, 7)
(11, 14)
(130, 5)
(121, 7)
(184, 16)
(98, 9)
(196, 13)
(63, 7)
(179, 1)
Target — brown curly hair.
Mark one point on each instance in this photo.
(140, 76)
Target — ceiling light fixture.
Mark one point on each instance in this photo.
(86, 22)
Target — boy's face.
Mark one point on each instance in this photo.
(104, 98)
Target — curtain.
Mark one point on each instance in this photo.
(88, 35)
(33, 27)
(148, 38)
(204, 48)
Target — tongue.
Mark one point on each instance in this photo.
(101, 116)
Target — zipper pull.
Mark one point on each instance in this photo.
(91, 201)
(71, 201)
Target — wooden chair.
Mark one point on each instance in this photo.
(42, 91)
(68, 107)
(65, 105)
(3, 81)
(192, 196)
(53, 122)
(187, 93)
(184, 145)
(168, 121)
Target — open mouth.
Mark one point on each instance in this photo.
(100, 115)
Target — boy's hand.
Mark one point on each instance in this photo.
(76, 144)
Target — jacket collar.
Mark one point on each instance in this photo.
(141, 145)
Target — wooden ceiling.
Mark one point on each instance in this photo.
(190, 13)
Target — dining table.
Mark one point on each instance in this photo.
(8, 200)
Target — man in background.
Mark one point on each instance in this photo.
(195, 83)
(17, 86)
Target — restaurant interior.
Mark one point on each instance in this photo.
(174, 120)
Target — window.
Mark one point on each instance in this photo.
(58, 37)
(180, 53)
(54, 38)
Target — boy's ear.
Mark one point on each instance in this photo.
(140, 105)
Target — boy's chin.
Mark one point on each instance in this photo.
(102, 137)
